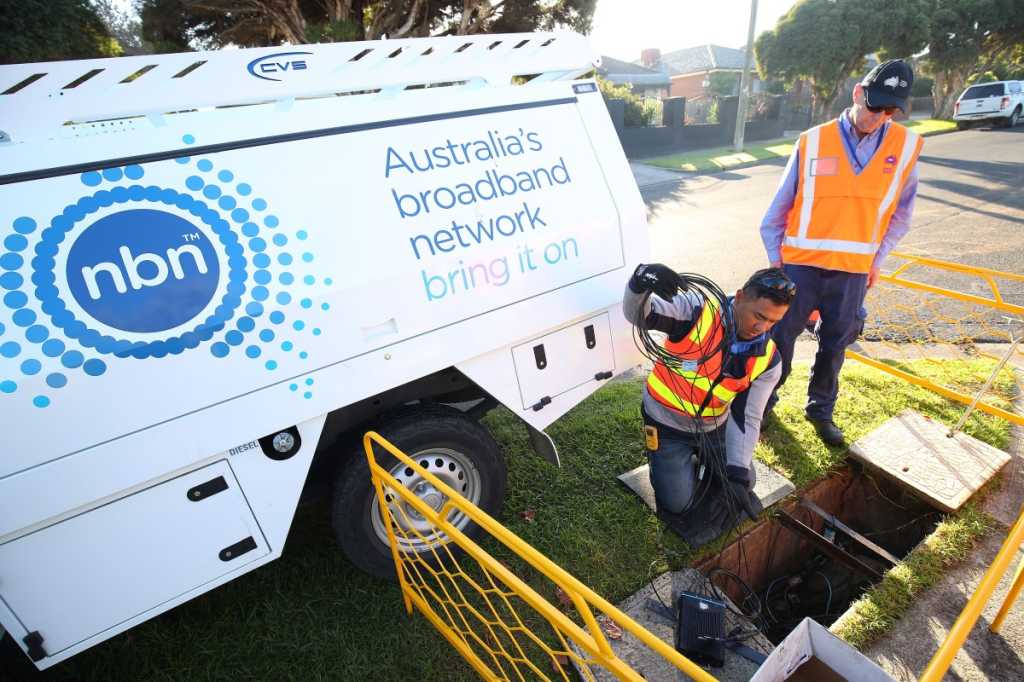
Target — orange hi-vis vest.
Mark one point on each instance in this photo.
(839, 218)
(685, 389)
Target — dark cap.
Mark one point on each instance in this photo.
(888, 84)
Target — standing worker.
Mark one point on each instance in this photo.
(707, 392)
(844, 202)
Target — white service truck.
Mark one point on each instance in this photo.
(218, 267)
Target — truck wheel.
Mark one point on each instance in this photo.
(445, 442)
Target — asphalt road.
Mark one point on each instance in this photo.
(970, 210)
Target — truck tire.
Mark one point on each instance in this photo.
(445, 442)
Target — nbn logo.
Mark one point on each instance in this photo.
(277, 64)
(142, 270)
(130, 265)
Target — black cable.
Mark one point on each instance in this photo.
(828, 583)
(751, 594)
(710, 453)
(650, 579)
(898, 528)
(703, 292)
(767, 597)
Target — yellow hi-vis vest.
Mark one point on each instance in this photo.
(839, 218)
(685, 389)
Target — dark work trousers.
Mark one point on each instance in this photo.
(838, 297)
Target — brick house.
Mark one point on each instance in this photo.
(689, 69)
(643, 81)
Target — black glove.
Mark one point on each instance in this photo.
(658, 278)
(738, 487)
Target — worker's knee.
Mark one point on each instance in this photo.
(672, 474)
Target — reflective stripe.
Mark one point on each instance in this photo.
(667, 396)
(840, 245)
(810, 153)
(704, 327)
(703, 383)
(761, 364)
(906, 154)
(705, 322)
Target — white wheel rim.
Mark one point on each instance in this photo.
(414, 533)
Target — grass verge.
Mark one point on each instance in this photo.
(312, 616)
(724, 158)
(877, 612)
(930, 126)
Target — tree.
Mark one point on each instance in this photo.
(966, 37)
(724, 83)
(1011, 67)
(825, 41)
(50, 30)
(639, 112)
(250, 23)
(125, 27)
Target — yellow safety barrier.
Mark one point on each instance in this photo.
(917, 313)
(942, 659)
(474, 606)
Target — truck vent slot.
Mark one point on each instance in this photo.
(395, 53)
(520, 44)
(81, 79)
(361, 54)
(23, 84)
(494, 44)
(189, 69)
(463, 47)
(139, 74)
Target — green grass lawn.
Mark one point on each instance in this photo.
(930, 126)
(311, 616)
(724, 158)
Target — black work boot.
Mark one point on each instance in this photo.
(828, 431)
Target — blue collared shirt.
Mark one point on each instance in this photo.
(859, 153)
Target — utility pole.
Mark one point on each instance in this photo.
(741, 106)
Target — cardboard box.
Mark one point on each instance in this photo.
(812, 653)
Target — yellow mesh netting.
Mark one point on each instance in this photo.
(495, 613)
(928, 311)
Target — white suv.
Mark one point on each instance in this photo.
(998, 103)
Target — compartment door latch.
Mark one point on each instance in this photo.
(34, 642)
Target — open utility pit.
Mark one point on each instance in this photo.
(795, 574)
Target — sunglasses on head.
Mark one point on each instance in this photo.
(776, 282)
(887, 110)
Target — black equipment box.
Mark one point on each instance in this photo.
(700, 629)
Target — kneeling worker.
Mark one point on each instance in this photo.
(711, 380)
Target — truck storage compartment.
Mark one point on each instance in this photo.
(562, 360)
(78, 577)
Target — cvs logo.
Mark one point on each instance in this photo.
(278, 64)
(142, 270)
